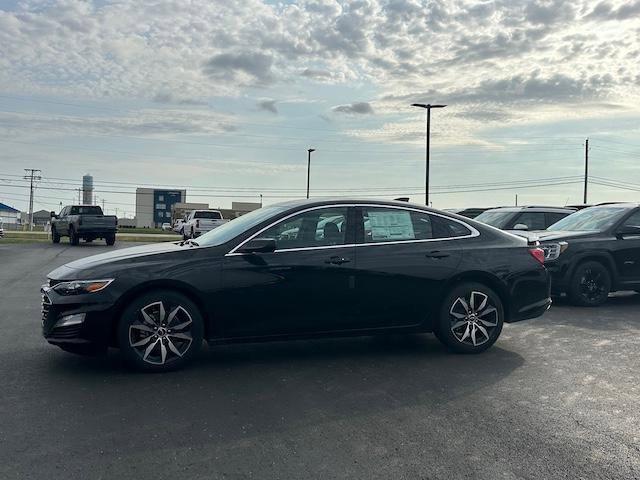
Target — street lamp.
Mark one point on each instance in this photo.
(428, 108)
(309, 167)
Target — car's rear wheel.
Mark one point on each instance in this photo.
(590, 284)
(110, 239)
(55, 237)
(470, 319)
(160, 331)
(73, 237)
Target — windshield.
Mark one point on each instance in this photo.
(211, 215)
(589, 219)
(495, 218)
(228, 231)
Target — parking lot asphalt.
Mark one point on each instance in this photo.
(556, 397)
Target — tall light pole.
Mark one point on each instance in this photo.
(309, 167)
(586, 170)
(428, 108)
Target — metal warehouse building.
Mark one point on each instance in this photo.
(153, 207)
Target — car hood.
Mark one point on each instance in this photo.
(89, 263)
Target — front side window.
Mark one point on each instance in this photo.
(315, 228)
(633, 220)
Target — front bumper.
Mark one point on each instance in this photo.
(92, 334)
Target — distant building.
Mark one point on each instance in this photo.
(9, 215)
(238, 209)
(153, 207)
(40, 218)
(87, 190)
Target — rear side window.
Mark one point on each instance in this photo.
(392, 225)
(447, 228)
(633, 220)
(533, 220)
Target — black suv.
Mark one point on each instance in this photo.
(525, 218)
(593, 252)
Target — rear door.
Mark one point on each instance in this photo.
(403, 256)
(305, 286)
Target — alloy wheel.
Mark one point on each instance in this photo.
(159, 337)
(473, 318)
(591, 285)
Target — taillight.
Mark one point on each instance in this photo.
(538, 254)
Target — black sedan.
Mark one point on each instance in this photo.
(295, 270)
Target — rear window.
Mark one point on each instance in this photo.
(495, 218)
(210, 215)
(86, 210)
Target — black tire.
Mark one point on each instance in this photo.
(153, 336)
(590, 284)
(110, 239)
(184, 236)
(55, 238)
(464, 329)
(73, 237)
(193, 235)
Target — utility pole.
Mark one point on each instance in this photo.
(309, 167)
(428, 108)
(586, 169)
(260, 200)
(103, 204)
(31, 174)
(516, 199)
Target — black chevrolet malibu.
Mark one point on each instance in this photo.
(299, 269)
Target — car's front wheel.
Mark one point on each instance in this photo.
(590, 284)
(160, 331)
(471, 318)
(55, 237)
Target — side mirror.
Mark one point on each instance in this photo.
(520, 226)
(259, 245)
(628, 230)
(53, 215)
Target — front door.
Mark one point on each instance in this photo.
(305, 286)
(627, 251)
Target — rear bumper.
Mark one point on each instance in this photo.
(96, 232)
(531, 311)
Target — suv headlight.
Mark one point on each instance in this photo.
(80, 287)
(553, 250)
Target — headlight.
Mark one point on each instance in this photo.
(553, 250)
(80, 287)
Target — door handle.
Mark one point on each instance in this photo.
(436, 254)
(336, 260)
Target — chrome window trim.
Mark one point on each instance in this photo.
(474, 232)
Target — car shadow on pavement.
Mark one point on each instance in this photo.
(273, 385)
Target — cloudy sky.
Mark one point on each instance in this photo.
(225, 97)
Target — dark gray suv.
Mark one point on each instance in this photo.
(525, 218)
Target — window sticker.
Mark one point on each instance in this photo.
(389, 225)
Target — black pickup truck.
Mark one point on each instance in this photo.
(85, 222)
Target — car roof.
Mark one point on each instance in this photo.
(534, 208)
(319, 202)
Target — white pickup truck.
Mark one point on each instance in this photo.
(201, 221)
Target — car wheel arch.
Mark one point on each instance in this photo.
(484, 278)
(602, 258)
(139, 290)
